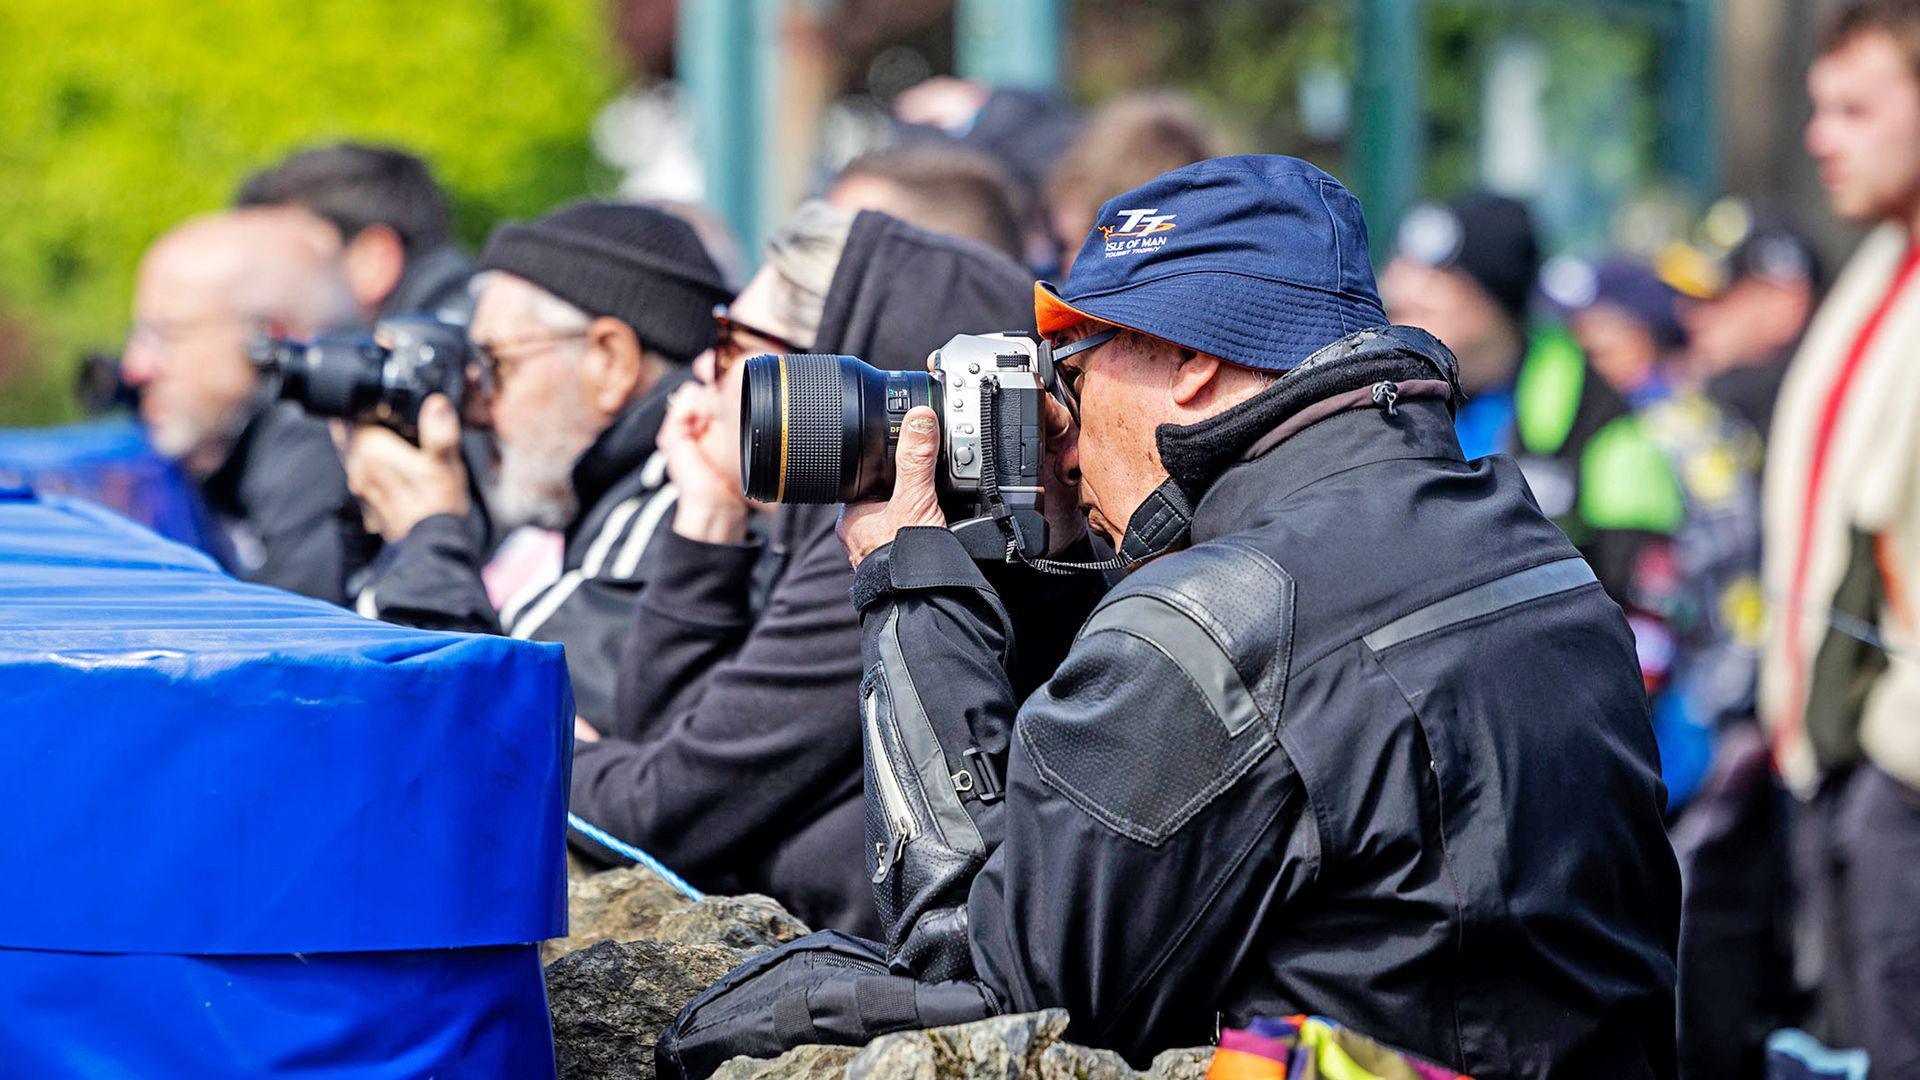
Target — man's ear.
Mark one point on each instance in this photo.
(1195, 378)
(373, 262)
(615, 369)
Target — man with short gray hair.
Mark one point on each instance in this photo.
(584, 322)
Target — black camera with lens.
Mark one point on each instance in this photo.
(380, 378)
(823, 429)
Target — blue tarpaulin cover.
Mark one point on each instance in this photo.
(243, 832)
(109, 461)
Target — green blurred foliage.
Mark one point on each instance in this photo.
(121, 117)
(1600, 99)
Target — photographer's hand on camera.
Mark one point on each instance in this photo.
(712, 505)
(866, 526)
(398, 484)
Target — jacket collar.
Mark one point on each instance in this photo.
(627, 443)
(1318, 419)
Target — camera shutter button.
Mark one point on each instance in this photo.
(963, 455)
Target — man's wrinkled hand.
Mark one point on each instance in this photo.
(866, 526)
(398, 484)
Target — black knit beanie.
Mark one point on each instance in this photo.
(642, 266)
(1488, 237)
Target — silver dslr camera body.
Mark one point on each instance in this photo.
(823, 429)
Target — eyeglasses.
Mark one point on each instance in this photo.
(493, 367)
(162, 334)
(728, 351)
(1066, 380)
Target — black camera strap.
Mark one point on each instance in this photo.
(1003, 515)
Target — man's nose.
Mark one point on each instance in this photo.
(1819, 139)
(706, 367)
(139, 364)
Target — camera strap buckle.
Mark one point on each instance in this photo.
(988, 785)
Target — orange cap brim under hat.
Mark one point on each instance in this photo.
(1051, 314)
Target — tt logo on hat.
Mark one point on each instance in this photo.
(1136, 231)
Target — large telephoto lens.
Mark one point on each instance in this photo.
(335, 375)
(822, 429)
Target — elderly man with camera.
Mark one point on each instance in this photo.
(584, 323)
(1359, 735)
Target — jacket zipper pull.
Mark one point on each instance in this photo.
(885, 855)
(1387, 396)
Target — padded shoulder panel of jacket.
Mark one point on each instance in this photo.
(1173, 690)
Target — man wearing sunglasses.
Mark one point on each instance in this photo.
(584, 322)
(1358, 736)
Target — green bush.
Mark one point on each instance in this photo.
(119, 118)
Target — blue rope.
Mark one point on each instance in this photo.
(621, 847)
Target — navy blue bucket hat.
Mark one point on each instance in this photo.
(1258, 259)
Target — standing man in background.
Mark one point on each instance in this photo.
(1840, 683)
(1740, 338)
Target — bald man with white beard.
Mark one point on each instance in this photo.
(268, 473)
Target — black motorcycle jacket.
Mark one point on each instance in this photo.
(1372, 746)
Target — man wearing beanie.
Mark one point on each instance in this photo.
(1462, 271)
(1359, 735)
(584, 321)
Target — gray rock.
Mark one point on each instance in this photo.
(998, 1048)
(1186, 1064)
(610, 1002)
(751, 923)
(623, 905)
(800, 1063)
(1068, 1061)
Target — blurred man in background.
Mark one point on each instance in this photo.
(1132, 139)
(946, 188)
(1840, 686)
(267, 471)
(396, 233)
(1021, 129)
(1740, 338)
(1464, 271)
(734, 750)
(586, 320)
(1629, 328)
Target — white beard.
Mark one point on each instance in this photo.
(534, 483)
(533, 486)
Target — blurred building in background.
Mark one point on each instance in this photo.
(1616, 120)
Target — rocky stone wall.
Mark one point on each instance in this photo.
(639, 951)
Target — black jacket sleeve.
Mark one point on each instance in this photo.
(431, 579)
(1116, 874)
(728, 729)
(295, 497)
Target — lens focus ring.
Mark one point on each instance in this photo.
(814, 413)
